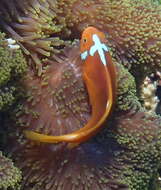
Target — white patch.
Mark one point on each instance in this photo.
(100, 47)
(12, 44)
(84, 55)
(10, 41)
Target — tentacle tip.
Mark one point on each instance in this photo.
(72, 145)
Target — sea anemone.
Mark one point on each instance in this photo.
(35, 26)
(133, 29)
(42, 27)
(57, 102)
(125, 155)
(10, 176)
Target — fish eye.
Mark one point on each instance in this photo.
(84, 40)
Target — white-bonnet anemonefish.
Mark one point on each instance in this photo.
(99, 75)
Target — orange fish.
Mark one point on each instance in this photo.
(99, 75)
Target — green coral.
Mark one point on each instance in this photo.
(12, 68)
(156, 1)
(141, 136)
(10, 176)
(126, 90)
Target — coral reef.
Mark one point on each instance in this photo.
(143, 142)
(133, 29)
(127, 153)
(157, 1)
(10, 176)
(12, 67)
(148, 95)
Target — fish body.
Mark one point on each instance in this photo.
(99, 76)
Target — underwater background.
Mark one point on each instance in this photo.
(41, 89)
